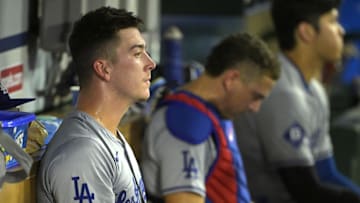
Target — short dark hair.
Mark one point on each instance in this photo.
(95, 35)
(242, 48)
(288, 14)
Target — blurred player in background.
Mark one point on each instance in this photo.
(190, 152)
(286, 147)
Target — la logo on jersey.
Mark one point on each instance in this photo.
(126, 196)
(189, 168)
(82, 192)
(295, 135)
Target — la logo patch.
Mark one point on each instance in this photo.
(189, 167)
(82, 192)
(295, 134)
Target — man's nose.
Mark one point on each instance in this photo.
(255, 106)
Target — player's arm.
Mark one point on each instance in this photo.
(327, 172)
(304, 185)
(184, 197)
(88, 180)
(288, 144)
(183, 164)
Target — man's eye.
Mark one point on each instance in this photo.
(138, 54)
(257, 96)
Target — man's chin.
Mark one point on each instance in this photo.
(144, 98)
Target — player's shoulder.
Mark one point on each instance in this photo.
(76, 154)
(74, 149)
(285, 98)
(187, 123)
(290, 91)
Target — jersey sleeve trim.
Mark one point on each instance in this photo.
(184, 188)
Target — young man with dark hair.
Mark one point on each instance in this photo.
(88, 159)
(286, 146)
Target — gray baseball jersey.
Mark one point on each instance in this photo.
(84, 162)
(291, 129)
(164, 157)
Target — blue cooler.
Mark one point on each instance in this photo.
(16, 125)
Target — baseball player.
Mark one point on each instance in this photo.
(189, 150)
(88, 160)
(286, 146)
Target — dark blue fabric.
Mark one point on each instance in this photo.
(327, 172)
(351, 70)
(349, 15)
(13, 42)
(195, 126)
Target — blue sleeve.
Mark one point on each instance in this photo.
(187, 123)
(327, 172)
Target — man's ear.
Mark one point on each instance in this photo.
(306, 32)
(230, 78)
(102, 69)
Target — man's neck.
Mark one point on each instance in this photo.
(309, 66)
(209, 89)
(107, 113)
